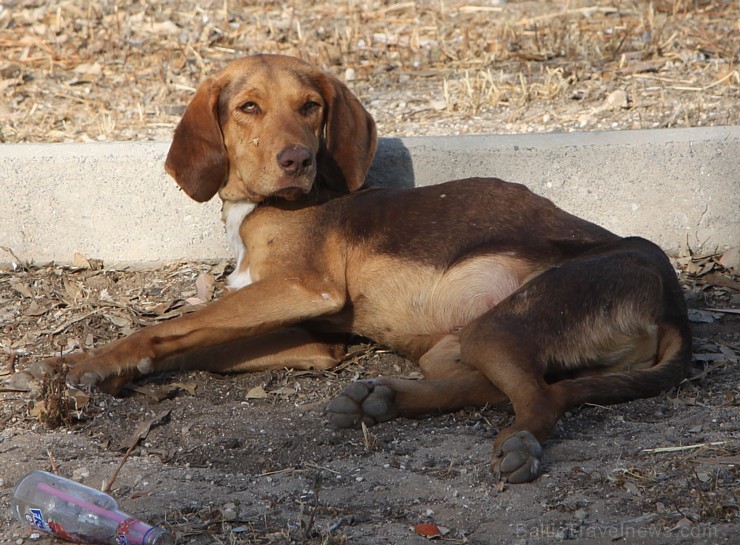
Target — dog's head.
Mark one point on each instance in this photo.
(266, 126)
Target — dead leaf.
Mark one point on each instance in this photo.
(428, 530)
(20, 382)
(204, 286)
(35, 310)
(79, 261)
(189, 387)
(178, 311)
(683, 523)
(163, 308)
(616, 100)
(38, 409)
(731, 259)
(76, 400)
(73, 290)
(631, 487)
(155, 394)
(693, 268)
(258, 392)
(703, 317)
(144, 428)
(80, 398)
(117, 320)
(703, 476)
(21, 288)
(72, 345)
(284, 391)
(723, 281)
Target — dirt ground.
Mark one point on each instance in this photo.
(251, 458)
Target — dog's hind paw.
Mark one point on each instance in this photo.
(518, 458)
(367, 401)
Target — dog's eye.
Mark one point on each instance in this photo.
(309, 107)
(249, 107)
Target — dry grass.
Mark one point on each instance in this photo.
(76, 70)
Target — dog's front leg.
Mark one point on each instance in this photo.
(253, 310)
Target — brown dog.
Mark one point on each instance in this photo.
(498, 294)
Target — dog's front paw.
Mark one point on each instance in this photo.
(518, 458)
(367, 401)
(97, 372)
(87, 374)
(110, 367)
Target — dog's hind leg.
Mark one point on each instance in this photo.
(382, 399)
(606, 328)
(510, 364)
(449, 385)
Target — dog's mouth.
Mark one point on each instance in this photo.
(288, 188)
(291, 193)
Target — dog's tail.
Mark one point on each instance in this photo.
(674, 362)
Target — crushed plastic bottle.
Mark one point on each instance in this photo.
(78, 513)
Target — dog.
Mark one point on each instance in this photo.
(500, 296)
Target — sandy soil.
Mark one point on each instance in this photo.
(251, 458)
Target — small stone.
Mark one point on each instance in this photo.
(616, 100)
(585, 120)
(80, 474)
(229, 512)
(438, 104)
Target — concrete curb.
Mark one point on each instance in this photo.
(113, 201)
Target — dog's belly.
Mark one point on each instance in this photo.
(409, 306)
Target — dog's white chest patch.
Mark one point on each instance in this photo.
(233, 216)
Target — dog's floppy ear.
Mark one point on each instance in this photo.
(350, 138)
(197, 158)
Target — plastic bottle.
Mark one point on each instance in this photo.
(75, 512)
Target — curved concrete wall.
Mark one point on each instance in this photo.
(113, 201)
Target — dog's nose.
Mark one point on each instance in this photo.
(295, 160)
